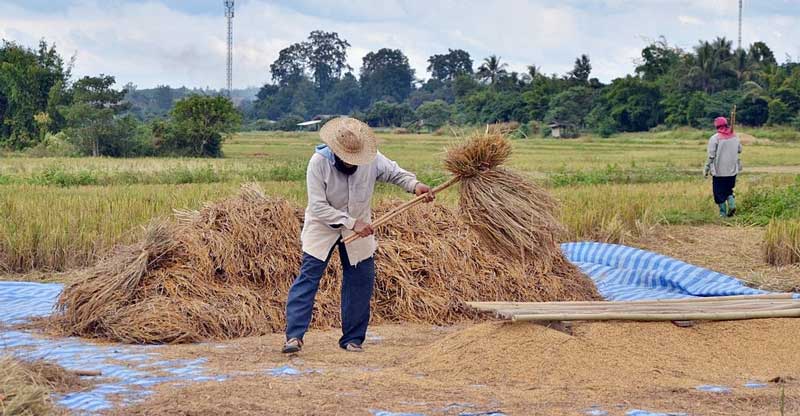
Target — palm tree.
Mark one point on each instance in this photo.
(722, 47)
(711, 63)
(491, 69)
(743, 65)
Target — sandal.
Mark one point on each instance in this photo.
(353, 347)
(292, 345)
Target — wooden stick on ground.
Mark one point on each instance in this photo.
(87, 373)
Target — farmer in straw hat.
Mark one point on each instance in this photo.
(340, 179)
(723, 164)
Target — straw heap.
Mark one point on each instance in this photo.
(511, 215)
(224, 271)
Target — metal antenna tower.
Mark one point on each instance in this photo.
(229, 16)
(740, 24)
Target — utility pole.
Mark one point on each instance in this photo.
(740, 24)
(229, 16)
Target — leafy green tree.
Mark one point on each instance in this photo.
(488, 105)
(464, 85)
(631, 104)
(386, 74)
(163, 98)
(696, 110)
(434, 114)
(432, 90)
(298, 98)
(290, 65)
(779, 113)
(344, 97)
(571, 106)
(537, 95)
(752, 111)
(511, 82)
(91, 118)
(327, 58)
(446, 67)
(31, 82)
(789, 90)
(658, 59)
(761, 54)
(198, 125)
(491, 69)
(581, 71)
(389, 114)
(790, 97)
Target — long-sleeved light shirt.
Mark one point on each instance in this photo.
(336, 200)
(723, 156)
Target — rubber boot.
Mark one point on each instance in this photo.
(731, 206)
(723, 210)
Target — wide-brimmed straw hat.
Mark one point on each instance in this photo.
(350, 139)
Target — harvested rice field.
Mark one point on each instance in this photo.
(177, 252)
(517, 369)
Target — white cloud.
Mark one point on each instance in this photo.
(689, 20)
(149, 43)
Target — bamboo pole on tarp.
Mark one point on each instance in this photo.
(483, 305)
(743, 308)
(683, 316)
(628, 306)
(709, 305)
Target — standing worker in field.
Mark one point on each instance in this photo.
(340, 179)
(723, 164)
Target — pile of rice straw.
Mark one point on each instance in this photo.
(224, 272)
(26, 386)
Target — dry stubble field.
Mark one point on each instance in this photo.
(642, 190)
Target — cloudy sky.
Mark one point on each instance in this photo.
(182, 42)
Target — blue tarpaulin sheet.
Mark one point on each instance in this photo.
(623, 273)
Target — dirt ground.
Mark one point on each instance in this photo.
(517, 369)
(524, 369)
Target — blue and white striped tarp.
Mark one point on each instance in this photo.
(626, 273)
(128, 371)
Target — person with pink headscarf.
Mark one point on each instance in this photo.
(723, 165)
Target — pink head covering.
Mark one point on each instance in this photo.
(723, 129)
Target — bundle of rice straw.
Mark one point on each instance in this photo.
(511, 215)
(224, 272)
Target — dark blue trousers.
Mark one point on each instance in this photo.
(357, 284)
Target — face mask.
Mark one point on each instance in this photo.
(340, 166)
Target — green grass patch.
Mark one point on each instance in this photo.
(618, 175)
(761, 205)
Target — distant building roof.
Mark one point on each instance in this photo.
(309, 123)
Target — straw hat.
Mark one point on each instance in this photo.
(350, 139)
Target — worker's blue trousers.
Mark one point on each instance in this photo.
(357, 284)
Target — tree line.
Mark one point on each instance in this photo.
(670, 86)
(45, 112)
